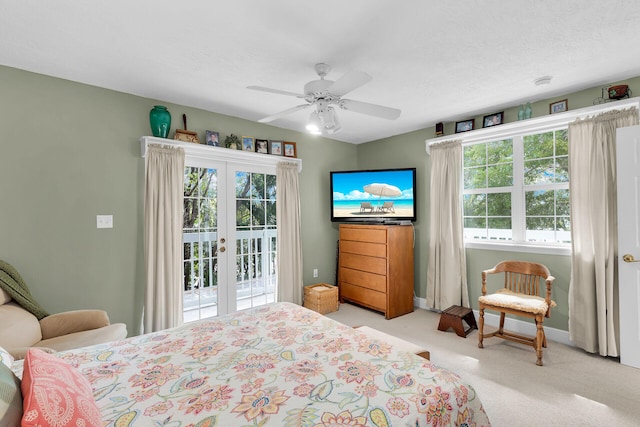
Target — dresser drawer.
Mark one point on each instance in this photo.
(364, 279)
(367, 297)
(363, 248)
(364, 263)
(363, 234)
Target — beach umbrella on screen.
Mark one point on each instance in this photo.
(380, 190)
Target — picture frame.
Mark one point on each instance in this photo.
(275, 148)
(262, 146)
(493, 119)
(212, 138)
(559, 106)
(248, 143)
(465, 125)
(289, 149)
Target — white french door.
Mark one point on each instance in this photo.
(229, 237)
(628, 172)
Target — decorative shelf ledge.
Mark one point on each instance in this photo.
(208, 152)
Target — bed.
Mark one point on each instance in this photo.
(278, 365)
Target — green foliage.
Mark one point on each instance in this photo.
(489, 166)
(255, 200)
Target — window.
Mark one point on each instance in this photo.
(516, 189)
(516, 182)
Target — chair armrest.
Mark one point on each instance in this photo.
(69, 322)
(484, 279)
(20, 353)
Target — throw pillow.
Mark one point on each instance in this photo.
(56, 394)
(10, 398)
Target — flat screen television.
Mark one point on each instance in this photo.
(383, 195)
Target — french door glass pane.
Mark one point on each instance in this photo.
(256, 239)
(200, 247)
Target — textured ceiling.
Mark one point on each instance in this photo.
(434, 60)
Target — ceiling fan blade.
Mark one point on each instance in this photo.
(370, 109)
(277, 91)
(350, 81)
(283, 113)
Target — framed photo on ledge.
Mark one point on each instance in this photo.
(275, 148)
(248, 143)
(290, 149)
(558, 107)
(465, 125)
(212, 138)
(493, 119)
(262, 146)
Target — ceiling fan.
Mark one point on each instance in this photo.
(324, 94)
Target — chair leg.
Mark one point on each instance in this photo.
(539, 339)
(480, 327)
(501, 329)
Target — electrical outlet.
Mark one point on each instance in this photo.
(104, 221)
(315, 272)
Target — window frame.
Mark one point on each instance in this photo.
(518, 190)
(521, 128)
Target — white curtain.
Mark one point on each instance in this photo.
(163, 237)
(289, 233)
(593, 291)
(447, 273)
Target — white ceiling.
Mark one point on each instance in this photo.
(434, 60)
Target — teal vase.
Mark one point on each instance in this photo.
(160, 120)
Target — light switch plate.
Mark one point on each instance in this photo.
(104, 221)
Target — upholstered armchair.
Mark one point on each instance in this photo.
(24, 323)
(19, 329)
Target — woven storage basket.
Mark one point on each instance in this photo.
(322, 298)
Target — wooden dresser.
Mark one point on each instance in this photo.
(376, 267)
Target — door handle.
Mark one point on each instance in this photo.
(629, 258)
(222, 249)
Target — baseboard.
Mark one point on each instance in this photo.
(515, 325)
(420, 303)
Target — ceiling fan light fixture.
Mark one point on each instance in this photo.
(314, 123)
(322, 94)
(330, 123)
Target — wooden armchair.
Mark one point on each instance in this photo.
(519, 296)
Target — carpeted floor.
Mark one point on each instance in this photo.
(572, 388)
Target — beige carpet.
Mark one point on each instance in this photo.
(572, 388)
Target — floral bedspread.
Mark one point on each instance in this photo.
(279, 365)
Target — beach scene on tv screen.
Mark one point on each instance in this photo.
(373, 194)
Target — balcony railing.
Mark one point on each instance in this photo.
(255, 281)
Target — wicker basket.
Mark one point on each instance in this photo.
(322, 298)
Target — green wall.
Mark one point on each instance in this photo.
(70, 151)
(408, 150)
